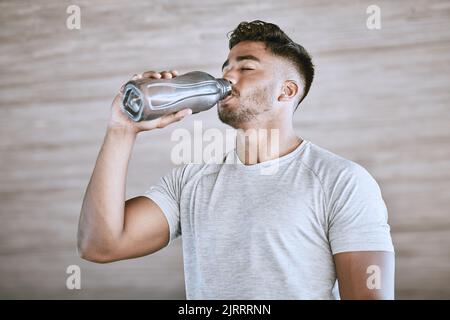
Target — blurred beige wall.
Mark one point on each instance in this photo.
(380, 98)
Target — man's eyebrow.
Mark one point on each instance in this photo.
(240, 58)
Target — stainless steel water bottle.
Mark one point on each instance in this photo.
(147, 99)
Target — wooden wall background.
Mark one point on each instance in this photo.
(380, 98)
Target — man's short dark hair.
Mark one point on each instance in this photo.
(279, 44)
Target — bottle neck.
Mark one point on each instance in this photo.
(225, 87)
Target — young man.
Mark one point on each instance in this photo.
(246, 235)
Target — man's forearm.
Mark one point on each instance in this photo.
(366, 274)
(102, 213)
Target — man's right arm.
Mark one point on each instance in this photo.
(111, 228)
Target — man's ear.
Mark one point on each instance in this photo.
(289, 90)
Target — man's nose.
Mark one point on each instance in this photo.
(230, 77)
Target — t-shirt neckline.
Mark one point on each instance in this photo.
(233, 158)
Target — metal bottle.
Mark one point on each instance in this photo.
(147, 99)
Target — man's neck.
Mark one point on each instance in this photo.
(256, 145)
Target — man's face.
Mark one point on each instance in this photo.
(251, 68)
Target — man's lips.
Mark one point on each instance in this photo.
(229, 97)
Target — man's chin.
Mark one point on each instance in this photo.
(228, 116)
(234, 117)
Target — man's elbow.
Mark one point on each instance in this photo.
(94, 257)
(92, 254)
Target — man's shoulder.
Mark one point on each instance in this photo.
(321, 159)
(330, 167)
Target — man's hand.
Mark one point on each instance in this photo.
(365, 275)
(119, 119)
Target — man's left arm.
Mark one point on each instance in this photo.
(365, 275)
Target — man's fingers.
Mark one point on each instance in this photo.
(173, 117)
(169, 74)
(155, 75)
(151, 74)
(136, 76)
(183, 113)
(166, 74)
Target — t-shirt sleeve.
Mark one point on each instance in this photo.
(167, 194)
(358, 217)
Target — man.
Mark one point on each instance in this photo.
(246, 235)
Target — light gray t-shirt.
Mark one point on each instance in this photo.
(252, 233)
